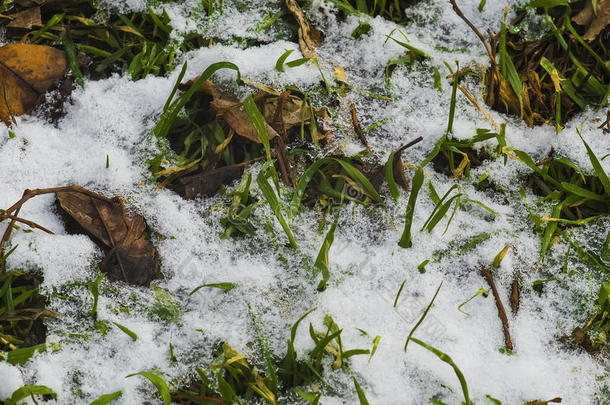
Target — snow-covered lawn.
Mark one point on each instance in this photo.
(114, 117)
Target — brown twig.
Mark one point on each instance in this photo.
(5, 238)
(357, 127)
(514, 295)
(605, 126)
(474, 101)
(282, 159)
(29, 223)
(13, 211)
(27, 194)
(476, 31)
(501, 311)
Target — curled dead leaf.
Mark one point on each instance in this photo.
(26, 73)
(309, 36)
(131, 256)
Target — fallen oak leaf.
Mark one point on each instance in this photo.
(595, 23)
(309, 36)
(26, 73)
(131, 256)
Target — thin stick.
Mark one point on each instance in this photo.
(31, 224)
(476, 31)
(357, 127)
(27, 194)
(474, 101)
(501, 311)
(514, 295)
(13, 212)
(5, 238)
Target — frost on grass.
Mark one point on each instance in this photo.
(110, 120)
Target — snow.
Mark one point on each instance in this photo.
(11, 380)
(114, 117)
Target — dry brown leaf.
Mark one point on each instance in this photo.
(208, 182)
(594, 23)
(26, 73)
(131, 256)
(309, 36)
(26, 19)
(231, 111)
(234, 114)
(291, 111)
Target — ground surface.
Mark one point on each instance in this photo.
(114, 117)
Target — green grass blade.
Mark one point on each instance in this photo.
(442, 211)
(361, 395)
(599, 170)
(423, 316)
(23, 354)
(447, 359)
(549, 231)
(3, 258)
(581, 192)
(398, 293)
(270, 367)
(226, 287)
(322, 260)
(272, 199)
(418, 179)
(376, 341)
(29, 390)
(259, 123)
(127, 331)
(311, 398)
(506, 64)
(361, 179)
(389, 176)
(106, 398)
(94, 288)
(439, 202)
(411, 48)
(309, 173)
(53, 21)
(437, 80)
(565, 161)
(297, 62)
(525, 158)
(170, 114)
(175, 88)
(72, 59)
(279, 65)
(566, 85)
(547, 3)
(158, 382)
